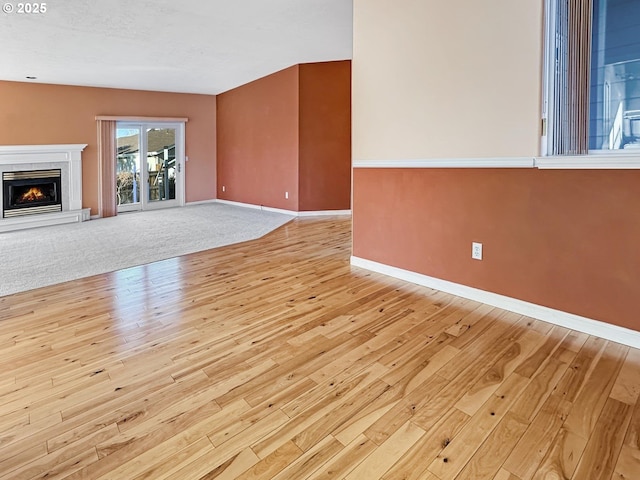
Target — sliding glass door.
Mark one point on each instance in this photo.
(150, 162)
(128, 168)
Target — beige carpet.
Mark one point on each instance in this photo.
(49, 255)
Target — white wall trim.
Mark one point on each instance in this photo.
(604, 330)
(320, 213)
(515, 162)
(256, 207)
(619, 161)
(201, 202)
(286, 212)
(622, 160)
(30, 153)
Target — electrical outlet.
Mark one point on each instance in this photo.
(476, 251)
(224, 189)
(286, 195)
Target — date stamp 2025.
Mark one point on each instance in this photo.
(24, 8)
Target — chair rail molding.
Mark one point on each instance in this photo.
(512, 162)
(597, 161)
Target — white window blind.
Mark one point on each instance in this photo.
(569, 86)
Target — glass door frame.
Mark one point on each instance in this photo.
(144, 202)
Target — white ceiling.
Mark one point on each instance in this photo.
(192, 46)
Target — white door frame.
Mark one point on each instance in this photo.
(144, 203)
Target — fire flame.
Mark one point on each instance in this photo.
(34, 194)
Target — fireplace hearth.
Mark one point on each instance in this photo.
(31, 192)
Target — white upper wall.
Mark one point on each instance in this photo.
(446, 78)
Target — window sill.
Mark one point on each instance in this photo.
(596, 161)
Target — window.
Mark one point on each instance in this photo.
(592, 89)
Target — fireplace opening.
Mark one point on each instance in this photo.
(31, 192)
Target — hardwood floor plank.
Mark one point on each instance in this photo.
(505, 475)
(534, 444)
(627, 386)
(311, 460)
(469, 371)
(538, 390)
(355, 424)
(380, 460)
(330, 348)
(452, 460)
(628, 464)
(338, 387)
(562, 458)
(504, 366)
(61, 469)
(358, 359)
(412, 465)
(207, 466)
(305, 362)
(175, 461)
(13, 458)
(405, 409)
(552, 341)
(603, 448)
(494, 338)
(574, 378)
(274, 463)
(23, 429)
(632, 438)
(81, 452)
(250, 436)
(122, 449)
(346, 460)
(591, 399)
(335, 418)
(487, 460)
(416, 365)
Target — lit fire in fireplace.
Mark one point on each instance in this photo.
(34, 194)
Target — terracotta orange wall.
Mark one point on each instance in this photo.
(57, 114)
(258, 141)
(288, 132)
(325, 136)
(563, 239)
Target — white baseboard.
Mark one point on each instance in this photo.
(286, 212)
(604, 330)
(201, 202)
(256, 207)
(318, 213)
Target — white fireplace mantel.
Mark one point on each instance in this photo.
(28, 149)
(66, 157)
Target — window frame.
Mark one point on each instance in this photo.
(598, 159)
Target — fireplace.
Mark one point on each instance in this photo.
(31, 192)
(60, 196)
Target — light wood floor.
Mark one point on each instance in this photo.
(276, 359)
